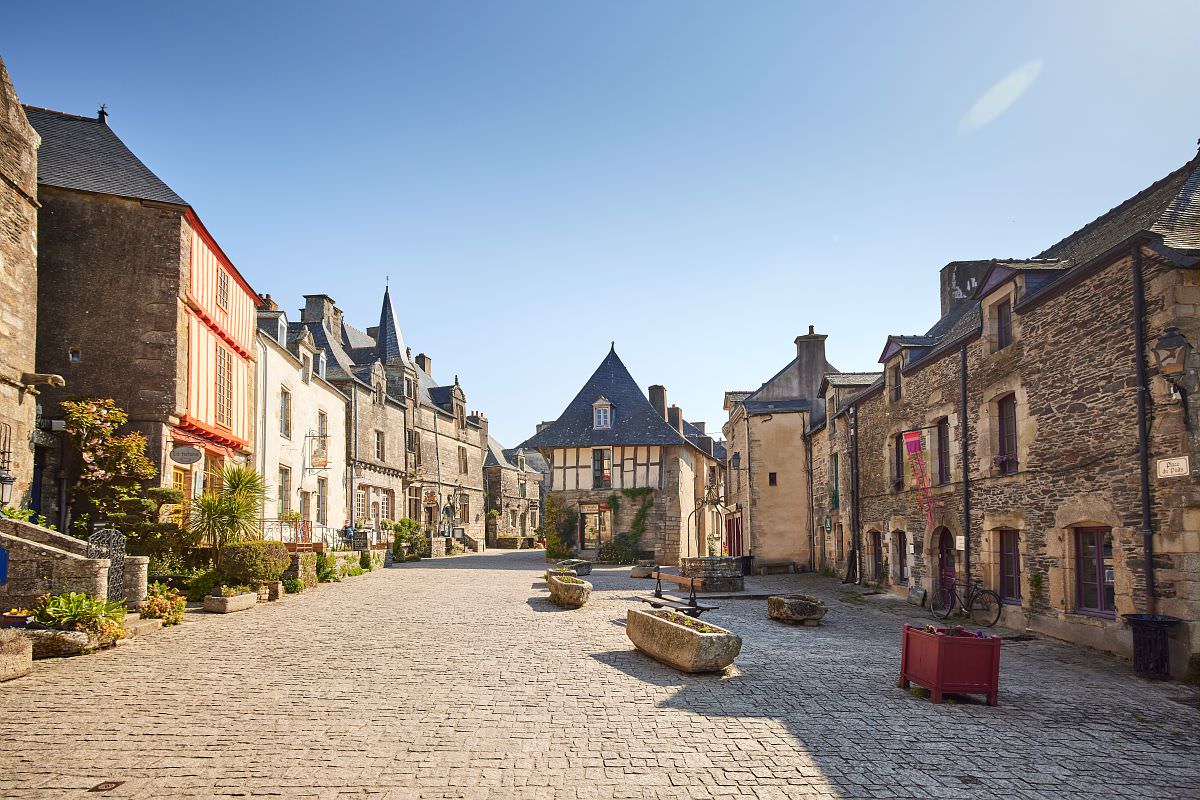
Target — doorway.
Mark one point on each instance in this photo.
(877, 555)
(946, 574)
(901, 539)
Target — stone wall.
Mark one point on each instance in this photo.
(19, 277)
(302, 567)
(35, 569)
(504, 495)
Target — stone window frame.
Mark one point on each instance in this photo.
(989, 558)
(602, 415)
(463, 467)
(322, 495)
(285, 412)
(380, 446)
(988, 429)
(942, 468)
(895, 380)
(991, 318)
(1060, 557)
(896, 461)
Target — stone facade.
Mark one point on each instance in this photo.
(18, 303)
(41, 561)
(1052, 439)
(514, 494)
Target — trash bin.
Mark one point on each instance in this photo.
(1151, 655)
(747, 565)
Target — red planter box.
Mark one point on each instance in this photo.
(950, 664)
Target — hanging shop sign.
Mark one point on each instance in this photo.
(186, 454)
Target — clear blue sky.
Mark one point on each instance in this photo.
(699, 181)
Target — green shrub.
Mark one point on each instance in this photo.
(326, 571)
(254, 562)
(163, 602)
(623, 549)
(352, 570)
(201, 584)
(75, 611)
(164, 495)
(293, 585)
(364, 561)
(413, 557)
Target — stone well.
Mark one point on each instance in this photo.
(717, 573)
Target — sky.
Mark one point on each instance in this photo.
(697, 181)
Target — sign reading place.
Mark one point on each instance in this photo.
(1177, 467)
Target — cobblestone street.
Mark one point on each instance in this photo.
(456, 678)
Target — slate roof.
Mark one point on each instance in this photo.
(634, 420)
(535, 462)
(83, 153)
(389, 343)
(496, 456)
(844, 379)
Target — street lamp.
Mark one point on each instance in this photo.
(1171, 352)
(7, 479)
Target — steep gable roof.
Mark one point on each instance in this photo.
(83, 153)
(634, 420)
(389, 343)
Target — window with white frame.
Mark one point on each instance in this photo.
(601, 414)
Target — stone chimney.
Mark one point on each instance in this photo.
(810, 362)
(265, 303)
(698, 426)
(959, 280)
(373, 332)
(675, 418)
(425, 363)
(320, 308)
(658, 399)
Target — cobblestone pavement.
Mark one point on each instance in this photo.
(456, 678)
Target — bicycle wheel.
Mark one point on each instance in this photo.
(942, 602)
(985, 608)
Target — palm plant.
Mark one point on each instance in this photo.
(230, 514)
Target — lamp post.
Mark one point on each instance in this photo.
(7, 479)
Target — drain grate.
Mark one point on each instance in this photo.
(107, 786)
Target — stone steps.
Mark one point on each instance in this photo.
(135, 625)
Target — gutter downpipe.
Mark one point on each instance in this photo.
(1143, 403)
(812, 536)
(854, 518)
(749, 490)
(262, 431)
(966, 461)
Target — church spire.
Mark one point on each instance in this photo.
(389, 344)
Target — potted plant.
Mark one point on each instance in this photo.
(16, 618)
(73, 623)
(568, 591)
(680, 641)
(950, 660)
(231, 599)
(803, 609)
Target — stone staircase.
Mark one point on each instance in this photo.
(135, 625)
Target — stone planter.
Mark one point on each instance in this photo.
(560, 571)
(16, 655)
(799, 609)
(270, 591)
(228, 605)
(685, 648)
(716, 573)
(568, 595)
(580, 566)
(51, 643)
(643, 569)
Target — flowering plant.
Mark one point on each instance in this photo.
(112, 465)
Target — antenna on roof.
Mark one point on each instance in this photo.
(102, 114)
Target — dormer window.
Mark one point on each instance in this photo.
(282, 337)
(321, 365)
(602, 414)
(897, 385)
(379, 393)
(305, 368)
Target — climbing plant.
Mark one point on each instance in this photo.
(625, 548)
(558, 527)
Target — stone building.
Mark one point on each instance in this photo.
(611, 438)
(300, 424)
(412, 448)
(1047, 479)
(766, 437)
(19, 451)
(137, 302)
(514, 494)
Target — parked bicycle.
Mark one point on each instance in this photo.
(981, 605)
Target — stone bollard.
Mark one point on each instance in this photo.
(136, 568)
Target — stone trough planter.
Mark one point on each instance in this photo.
(643, 569)
(566, 592)
(798, 609)
(51, 643)
(688, 645)
(228, 605)
(16, 655)
(580, 566)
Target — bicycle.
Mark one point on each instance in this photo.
(981, 605)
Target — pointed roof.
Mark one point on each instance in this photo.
(389, 343)
(634, 420)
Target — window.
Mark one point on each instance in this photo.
(322, 501)
(285, 492)
(380, 446)
(898, 462)
(1010, 566)
(417, 453)
(414, 502)
(512, 518)
(181, 481)
(1094, 571)
(712, 476)
(841, 544)
(360, 505)
(533, 520)
(602, 417)
(601, 469)
(379, 394)
(772, 479)
(322, 424)
(943, 451)
(897, 385)
(285, 413)
(902, 555)
(222, 288)
(1004, 332)
(1006, 458)
(464, 509)
(461, 416)
(224, 387)
(462, 460)
(520, 488)
(834, 499)
(521, 461)
(385, 505)
(305, 369)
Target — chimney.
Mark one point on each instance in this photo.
(810, 362)
(675, 418)
(102, 114)
(425, 364)
(959, 280)
(699, 426)
(373, 332)
(320, 308)
(706, 444)
(658, 399)
(266, 303)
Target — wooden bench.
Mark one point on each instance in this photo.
(690, 607)
(762, 567)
